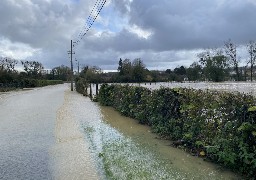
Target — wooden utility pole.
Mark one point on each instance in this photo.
(71, 61)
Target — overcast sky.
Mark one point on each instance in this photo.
(163, 33)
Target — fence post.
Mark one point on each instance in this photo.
(90, 91)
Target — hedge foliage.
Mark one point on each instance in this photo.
(28, 83)
(218, 125)
(39, 83)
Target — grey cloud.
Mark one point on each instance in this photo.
(38, 23)
(123, 41)
(122, 6)
(195, 24)
(178, 29)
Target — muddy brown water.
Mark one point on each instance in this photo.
(194, 167)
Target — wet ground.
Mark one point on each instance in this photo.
(52, 133)
(27, 132)
(179, 164)
(39, 137)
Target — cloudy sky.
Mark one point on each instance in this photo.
(164, 33)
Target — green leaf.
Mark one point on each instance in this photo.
(251, 109)
(246, 126)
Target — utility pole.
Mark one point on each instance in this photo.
(72, 73)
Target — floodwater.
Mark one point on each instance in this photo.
(131, 151)
(243, 87)
(40, 137)
(171, 162)
(27, 132)
(71, 156)
(52, 133)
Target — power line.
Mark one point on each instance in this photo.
(98, 6)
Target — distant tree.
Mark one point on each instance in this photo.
(155, 76)
(168, 71)
(32, 68)
(251, 48)
(92, 74)
(127, 67)
(180, 70)
(194, 72)
(8, 74)
(214, 65)
(126, 71)
(61, 72)
(84, 70)
(139, 70)
(120, 67)
(8, 64)
(230, 49)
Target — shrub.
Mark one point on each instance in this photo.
(218, 125)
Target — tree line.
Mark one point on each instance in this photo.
(216, 65)
(31, 72)
(224, 64)
(220, 64)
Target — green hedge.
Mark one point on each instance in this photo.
(27, 83)
(41, 83)
(218, 125)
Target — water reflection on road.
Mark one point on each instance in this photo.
(27, 132)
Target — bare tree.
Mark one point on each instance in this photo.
(251, 48)
(8, 64)
(33, 68)
(230, 49)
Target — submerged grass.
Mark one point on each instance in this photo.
(122, 157)
(119, 157)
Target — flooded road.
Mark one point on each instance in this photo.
(40, 139)
(52, 133)
(27, 124)
(71, 156)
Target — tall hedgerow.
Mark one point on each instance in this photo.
(218, 125)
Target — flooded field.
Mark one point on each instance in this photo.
(245, 87)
